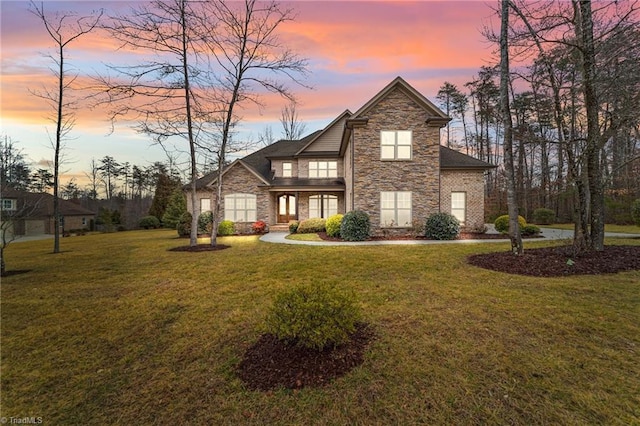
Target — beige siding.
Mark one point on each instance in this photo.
(330, 140)
(472, 183)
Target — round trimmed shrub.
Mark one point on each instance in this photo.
(333, 225)
(442, 226)
(544, 216)
(502, 223)
(635, 211)
(355, 226)
(309, 226)
(259, 227)
(226, 228)
(313, 315)
(529, 230)
(149, 222)
(205, 223)
(293, 226)
(184, 225)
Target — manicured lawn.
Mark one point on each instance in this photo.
(626, 229)
(118, 330)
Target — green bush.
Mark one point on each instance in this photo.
(544, 216)
(226, 228)
(442, 226)
(529, 230)
(184, 225)
(355, 226)
(309, 226)
(313, 315)
(635, 211)
(149, 222)
(205, 223)
(502, 223)
(333, 225)
(293, 226)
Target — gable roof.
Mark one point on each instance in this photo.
(43, 204)
(400, 83)
(338, 121)
(453, 160)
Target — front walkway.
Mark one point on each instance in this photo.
(547, 234)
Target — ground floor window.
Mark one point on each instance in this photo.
(323, 205)
(205, 205)
(395, 209)
(459, 206)
(240, 207)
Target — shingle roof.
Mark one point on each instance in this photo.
(43, 203)
(451, 159)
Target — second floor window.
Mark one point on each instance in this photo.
(395, 144)
(323, 169)
(287, 170)
(9, 204)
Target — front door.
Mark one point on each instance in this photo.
(286, 208)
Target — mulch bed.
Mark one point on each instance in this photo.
(271, 363)
(559, 261)
(461, 236)
(200, 247)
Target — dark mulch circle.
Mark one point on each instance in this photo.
(271, 363)
(559, 261)
(200, 247)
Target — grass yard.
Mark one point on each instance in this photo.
(625, 229)
(118, 330)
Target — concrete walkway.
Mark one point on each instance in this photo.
(547, 234)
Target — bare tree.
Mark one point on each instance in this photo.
(266, 137)
(514, 228)
(292, 127)
(62, 32)
(250, 59)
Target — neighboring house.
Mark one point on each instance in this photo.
(385, 159)
(32, 213)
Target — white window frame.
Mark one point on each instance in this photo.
(287, 169)
(396, 209)
(326, 205)
(396, 145)
(322, 169)
(9, 204)
(240, 207)
(205, 205)
(459, 212)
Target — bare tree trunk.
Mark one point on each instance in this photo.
(514, 228)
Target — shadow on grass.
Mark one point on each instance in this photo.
(15, 272)
(200, 248)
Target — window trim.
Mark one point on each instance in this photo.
(321, 199)
(13, 204)
(240, 195)
(464, 208)
(203, 210)
(395, 209)
(328, 169)
(287, 172)
(396, 145)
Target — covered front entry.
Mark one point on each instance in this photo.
(286, 208)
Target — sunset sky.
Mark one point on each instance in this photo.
(354, 49)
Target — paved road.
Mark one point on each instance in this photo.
(547, 234)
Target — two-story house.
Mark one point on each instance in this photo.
(385, 159)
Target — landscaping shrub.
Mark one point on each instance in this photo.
(313, 315)
(333, 225)
(184, 225)
(293, 226)
(309, 226)
(635, 211)
(205, 223)
(226, 228)
(529, 230)
(442, 226)
(544, 216)
(355, 226)
(149, 222)
(502, 223)
(259, 227)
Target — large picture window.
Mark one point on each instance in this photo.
(395, 144)
(323, 169)
(323, 206)
(240, 207)
(395, 209)
(459, 206)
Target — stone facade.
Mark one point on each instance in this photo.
(471, 182)
(419, 175)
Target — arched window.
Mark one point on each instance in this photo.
(240, 207)
(323, 205)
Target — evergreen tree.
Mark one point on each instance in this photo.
(164, 188)
(175, 209)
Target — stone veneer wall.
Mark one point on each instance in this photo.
(397, 111)
(471, 182)
(303, 203)
(276, 166)
(303, 166)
